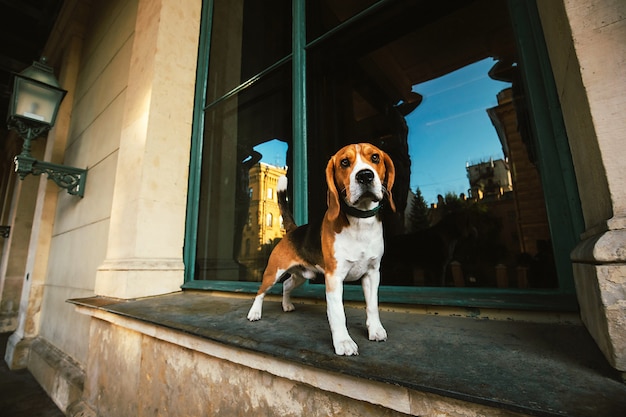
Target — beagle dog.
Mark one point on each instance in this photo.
(346, 246)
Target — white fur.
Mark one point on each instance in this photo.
(257, 308)
(358, 251)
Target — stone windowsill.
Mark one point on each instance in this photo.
(542, 369)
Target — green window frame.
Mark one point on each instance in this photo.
(554, 163)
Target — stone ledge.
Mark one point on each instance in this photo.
(498, 367)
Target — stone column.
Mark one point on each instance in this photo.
(15, 248)
(144, 251)
(588, 57)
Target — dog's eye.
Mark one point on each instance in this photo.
(375, 158)
(345, 162)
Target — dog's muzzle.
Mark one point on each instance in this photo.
(365, 176)
(367, 187)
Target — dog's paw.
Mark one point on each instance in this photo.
(287, 307)
(377, 333)
(254, 314)
(346, 347)
(257, 309)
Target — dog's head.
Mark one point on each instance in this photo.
(360, 174)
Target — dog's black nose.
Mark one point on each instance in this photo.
(365, 176)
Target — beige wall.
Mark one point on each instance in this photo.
(129, 68)
(147, 223)
(131, 126)
(78, 244)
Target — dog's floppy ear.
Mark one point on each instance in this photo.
(333, 196)
(390, 177)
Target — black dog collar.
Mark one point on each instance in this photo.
(361, 214)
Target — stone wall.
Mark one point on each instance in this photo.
(588, 56)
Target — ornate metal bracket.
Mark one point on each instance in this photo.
(70, 178)
(5, 231)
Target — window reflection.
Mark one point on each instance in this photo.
(247, 36)
(245, 150)
(329, 14)
(246, 136)
(443, 97)
(264, 229)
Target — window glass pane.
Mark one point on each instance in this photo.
(437, 85)
(324, 15)
(246, 147)
(247, 36)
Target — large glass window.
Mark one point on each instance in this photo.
(443, 96)
(442, 87)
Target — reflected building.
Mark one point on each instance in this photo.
(530, 209)
(510, 189)
(264, 226)
(489, 180)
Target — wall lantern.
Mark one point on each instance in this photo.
(33, 109)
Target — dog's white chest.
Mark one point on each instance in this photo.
(359, 250)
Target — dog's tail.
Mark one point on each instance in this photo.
(285, 212)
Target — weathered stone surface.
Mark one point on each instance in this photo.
(601, 292)
(58, 373)
(199, 350)
(178, 381)
(112, 380)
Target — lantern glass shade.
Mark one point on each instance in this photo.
(36, 96)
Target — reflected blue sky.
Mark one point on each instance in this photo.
(451, 128)
(446, 131)
(274, 152)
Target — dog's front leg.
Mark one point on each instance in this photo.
(375, 328)
(343, 343)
